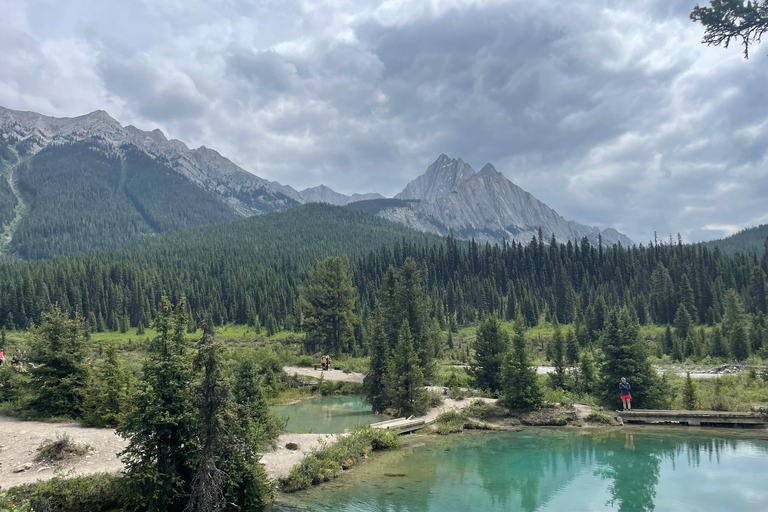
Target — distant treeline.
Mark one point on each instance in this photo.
(248, 272)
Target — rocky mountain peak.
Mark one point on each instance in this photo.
(441, 178)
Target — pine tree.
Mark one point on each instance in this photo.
(374, 384)
(678, 353)
(520, 383)
(328, 304)
(491, 348)
(405, 381)
(758, 290)
(160, 429)
(140, 329)
(60, 375)
(690, 395)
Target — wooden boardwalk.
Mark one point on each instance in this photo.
(694, 418)
(403, 425)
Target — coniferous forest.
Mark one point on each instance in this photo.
(251, 271)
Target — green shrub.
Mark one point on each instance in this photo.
(92, 493)
(434, 399)
(327, 462)
(483, 411)
(601, 418)
(449, 422)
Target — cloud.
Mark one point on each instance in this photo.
(612, 113)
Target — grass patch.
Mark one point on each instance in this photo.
(328, 462)
(600, 418)
(61, 448)
(453, 421)
(548, 417)
(100, 492)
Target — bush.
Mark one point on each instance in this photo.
(601, 418)
(92, 493)
(434, 399)
(483, 411)
(305, 361)
(449, 422)
(327, 462)
(63, 447)
(336, 388)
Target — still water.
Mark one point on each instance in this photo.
(555, 470)
(328, 414)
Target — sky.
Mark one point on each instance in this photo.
(611, 112)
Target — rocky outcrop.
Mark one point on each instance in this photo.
(323, 194)
(246, 193)
(485, 206)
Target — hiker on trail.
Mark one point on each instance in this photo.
(328, 361)
(624, 394)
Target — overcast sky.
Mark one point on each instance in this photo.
(611, 112)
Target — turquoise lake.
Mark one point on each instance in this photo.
(670, 469)
(328, 414)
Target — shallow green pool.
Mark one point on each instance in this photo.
(555, 470)
(328, 414)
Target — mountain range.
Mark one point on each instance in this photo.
(88, 183)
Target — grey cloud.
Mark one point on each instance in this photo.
(610, 112)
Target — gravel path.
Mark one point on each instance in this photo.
(337, 375)
(279, 462)
(19, 441)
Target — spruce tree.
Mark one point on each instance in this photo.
(687, 298)
(161, 428)
(571, 347)
(109, 392)
(625, 356)
(328, 304)
(374, 385)
(405, 381)
(739, 342)
(720, 347)
(557, 377)
(758, 290)
(690, 395)
(491, 348)
(587, 372)
(60, 375)
(683, 322)
(520, 383)
(669, 342)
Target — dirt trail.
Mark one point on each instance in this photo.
(336, 375)
(19, 441)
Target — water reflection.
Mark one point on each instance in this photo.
(554, 470)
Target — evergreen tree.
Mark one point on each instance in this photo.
(625, 356)
(587, 371)
(571, 347)
(161, 428)
(521, 384)
(687, 298)
(557, 377)
(328, 303)
(683, 322)
(690, 395)
(374, 384)
(669, 342)
(739, 342)
(405, 381)
(678, 352)
(140, 329)
(109, 393)
(404, 299)
(758, 290)
(60, 375)
(491, 348)
(719, 347)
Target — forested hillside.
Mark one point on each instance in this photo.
(747, 240)
(82, 198)
(7, 202)
(249, 271)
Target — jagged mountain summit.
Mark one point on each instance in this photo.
(323, 194)
(441, 178)
(484, 205)
(28, 133)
